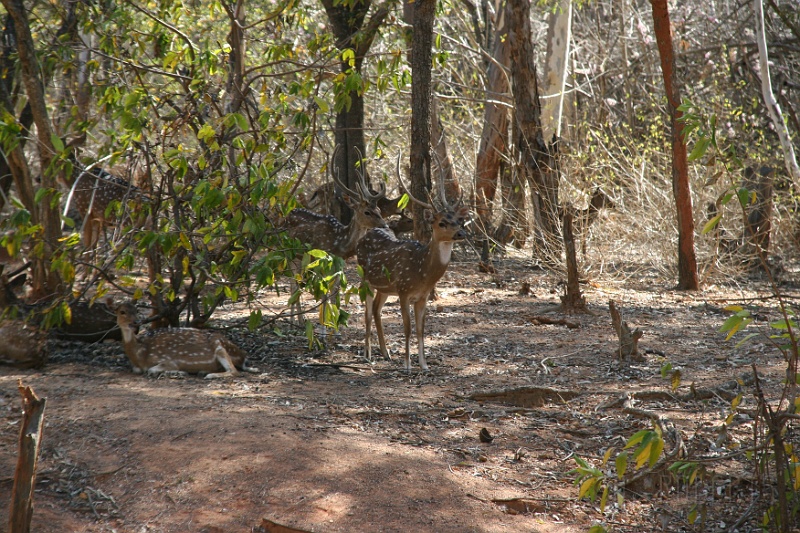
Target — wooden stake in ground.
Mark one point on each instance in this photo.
(30, 440)
(628, 340)
(572, 300)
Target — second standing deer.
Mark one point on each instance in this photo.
(324, 232)
(408, 269)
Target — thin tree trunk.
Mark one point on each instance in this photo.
(559, 30)
(687, 263)
(46, 281)
(421, 55)
(772, 104)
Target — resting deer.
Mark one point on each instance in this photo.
(324, 232)
(408, 269)
(21, 344)
(93, 191)
(178, 350)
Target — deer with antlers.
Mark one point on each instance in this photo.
(178, 350)
(326, 233)
(408, 269)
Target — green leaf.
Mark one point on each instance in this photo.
(58, 144)
(637, 438)
(322, 104)
(319, 254)
(254, 320)
(621, 463)
(655, 451)
(693, 515)
(699, 149)
(711, 224)
(587, 487)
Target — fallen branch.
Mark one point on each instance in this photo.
(539, 319)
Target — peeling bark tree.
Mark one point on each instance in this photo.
(535, 158)
(769, 98)
(494, 138)
(559, 30)
(687, 263)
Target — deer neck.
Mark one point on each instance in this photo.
(132, 347)
(438, 257)
(347, 237)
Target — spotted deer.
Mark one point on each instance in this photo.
(326, 233)
(178, 350)
(22, 345)
(408, 269)
(399, 222)
(584, 218)
(93, 192)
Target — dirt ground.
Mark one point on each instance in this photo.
(324, 442)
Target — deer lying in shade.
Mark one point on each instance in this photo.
(408, 269)
(178, 350)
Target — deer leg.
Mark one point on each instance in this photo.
(368, 328)
(377, 305)
(166, 367)
(420, 310)
(406, 312)
(296, 308)
(224, 359)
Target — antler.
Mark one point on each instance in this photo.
(363, 191)
(367, 194)
(440, 187)
(406, 189)
(442, 194)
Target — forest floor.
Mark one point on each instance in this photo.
(325, 442)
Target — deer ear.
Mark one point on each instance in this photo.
(463, 213)
(350, 201)
(428, 215)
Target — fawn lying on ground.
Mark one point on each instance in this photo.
(178, 350)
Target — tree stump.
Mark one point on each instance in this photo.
(628, 340)
(572, 300)
(30, 441)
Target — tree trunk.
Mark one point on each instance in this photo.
(534, 156)
(347, 21)
(421, 55)
(494, 138)
(687, 263)
(46, 281)
(769, 98)
(558, 36)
